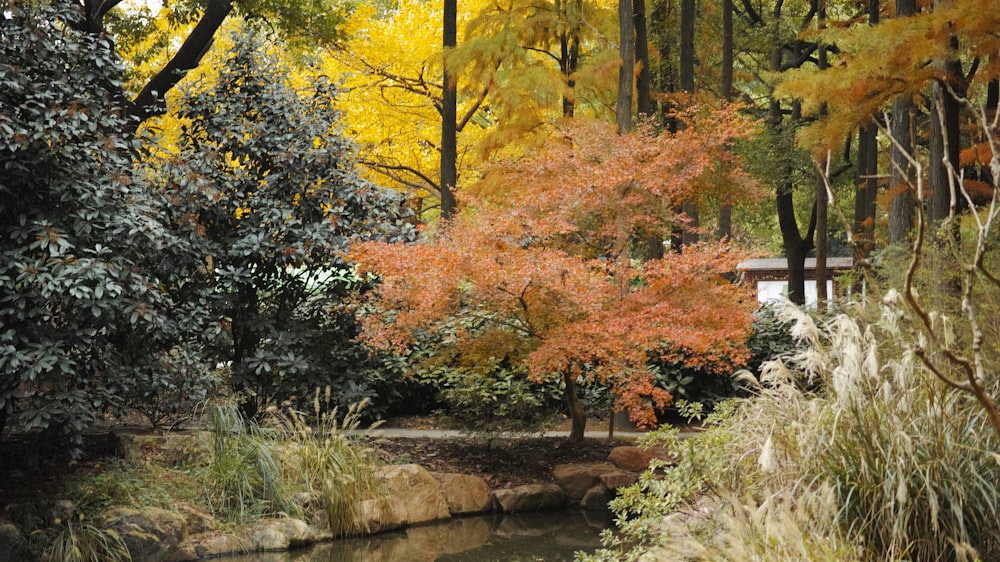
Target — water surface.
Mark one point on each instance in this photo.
(552, 536)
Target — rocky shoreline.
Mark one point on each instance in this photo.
(414, 496)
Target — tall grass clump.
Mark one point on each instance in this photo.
(912, 459)
(244, 479)
(851, 449)
(78, 539)
(324, 458)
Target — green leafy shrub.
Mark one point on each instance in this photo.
(271, 219)
(81, 308)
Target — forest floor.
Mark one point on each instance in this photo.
(503, 461)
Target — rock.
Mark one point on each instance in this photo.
(636, 459)
(197, 520)
(377, 515)
(281, 534)
(596, 498)
(464, 493)
(210, 546)
(13, 547)
(532, 497)
(62, 510)
(619, 479)
(152, 534)
(576, 479)
(413, 496)
(170, 449)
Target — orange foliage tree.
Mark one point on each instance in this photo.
(544, 255)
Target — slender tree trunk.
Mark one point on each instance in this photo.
(576, 411)
(687, 83)
(643, 84)
(944, 145)
(796, 246)
(569, 49)
(449, 116)
(901, 202)
(626, 82)
(725, 207)
(151, 99)
(821, 195)
(666, 77)
(865, 191)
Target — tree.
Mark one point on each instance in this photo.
(942, 56)
(84, 319)
(272, 187)
(517, 68)
(548, 268)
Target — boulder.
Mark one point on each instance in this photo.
(197, 521)
(596, 498)
(636, 459)
(152, 534)
(576, 479)
(413, 497)
(532, 497)
(13, 547)
(619, 479)
(377, 515)
(281, 534)
(211, 546)
(464, 493)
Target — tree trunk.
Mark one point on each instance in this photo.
(866, 187)
(449, 116)
(725, 207)
(576, 412)
(661, 21)
(569, 50)
(901, 202)
(796, 246)
(623, 112)
(643, 84)
(821, 194)
(944, 145)
(687, 83)
(687, 55)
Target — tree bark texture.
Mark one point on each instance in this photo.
(644, 94)
(576, 411)
(626, 28)
(449, 115)
(901, 179)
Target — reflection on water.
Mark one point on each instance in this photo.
(552, 536)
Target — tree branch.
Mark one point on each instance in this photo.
(150, 100)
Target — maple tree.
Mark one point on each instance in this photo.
(548, 268)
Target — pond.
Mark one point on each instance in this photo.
(552, 536)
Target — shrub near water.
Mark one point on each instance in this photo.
(327, 462)
(257, 471)
(883, 463)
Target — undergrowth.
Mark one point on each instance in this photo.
(878, 461)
